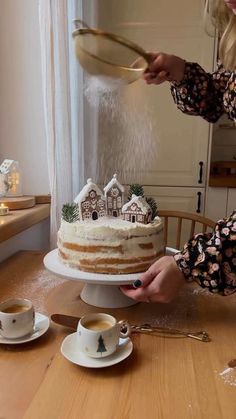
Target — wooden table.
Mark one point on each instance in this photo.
(163, 378)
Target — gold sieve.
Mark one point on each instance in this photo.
(109, 56)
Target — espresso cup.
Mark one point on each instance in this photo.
(98, 334)
(16, 318)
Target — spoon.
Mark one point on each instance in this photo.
(146, 328)
(72, 322)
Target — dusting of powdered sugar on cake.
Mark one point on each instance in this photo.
(108, 226)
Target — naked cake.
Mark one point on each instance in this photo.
(104, 235)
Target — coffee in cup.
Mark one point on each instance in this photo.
(16, 318)
(98, 334)
(98, 325)
(15, 308)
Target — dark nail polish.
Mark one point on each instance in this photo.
(137, 283)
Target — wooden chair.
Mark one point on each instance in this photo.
(195, 224)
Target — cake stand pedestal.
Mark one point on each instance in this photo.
(100, 290)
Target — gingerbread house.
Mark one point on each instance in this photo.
(137, 210)
(91, 202)
(114, 196)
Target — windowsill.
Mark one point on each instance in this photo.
(19, 220)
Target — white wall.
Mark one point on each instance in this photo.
(35, 238)
(22, 135)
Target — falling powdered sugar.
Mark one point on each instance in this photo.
(98, 88)
(126, 139)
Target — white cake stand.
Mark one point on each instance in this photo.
(100, 290)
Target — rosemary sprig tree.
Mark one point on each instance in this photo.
(153, 205)
(70, 212)
(135, 189)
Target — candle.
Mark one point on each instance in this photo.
(4, 210)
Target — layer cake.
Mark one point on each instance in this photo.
(110, 245)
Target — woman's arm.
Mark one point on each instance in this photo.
(194, 91)
(201, 93)
(209, 259)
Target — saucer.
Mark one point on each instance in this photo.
(69, 351)
(41, 325)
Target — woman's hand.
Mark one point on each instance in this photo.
(164, 67)
(160, 283)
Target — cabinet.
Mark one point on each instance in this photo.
(179, 199)
(160, 145)
(220, 202)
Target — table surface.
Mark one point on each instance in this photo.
(163, 377)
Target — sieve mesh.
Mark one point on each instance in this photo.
(106, 54)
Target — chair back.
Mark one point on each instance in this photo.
(180, 226)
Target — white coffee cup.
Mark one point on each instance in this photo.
(16, 318)
(98, 334)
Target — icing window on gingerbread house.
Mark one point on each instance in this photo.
(86, 215)
(109, 202)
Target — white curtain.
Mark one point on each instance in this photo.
(63, 104)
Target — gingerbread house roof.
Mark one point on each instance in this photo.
(140, 201)
(113, 182)
(8, 165)
(85, 191)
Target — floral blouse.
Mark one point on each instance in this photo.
(209, 258)
(205, 94)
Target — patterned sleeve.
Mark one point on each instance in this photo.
(201, 93)
(210, 258)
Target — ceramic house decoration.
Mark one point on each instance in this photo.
(91, 202)
(4, 185)
(114, 196)
(137, 210)
(11, 169)
(7, 165)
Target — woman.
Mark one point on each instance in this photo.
(210, 259)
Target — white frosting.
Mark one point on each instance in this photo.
(105, 228)
(114, 238)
